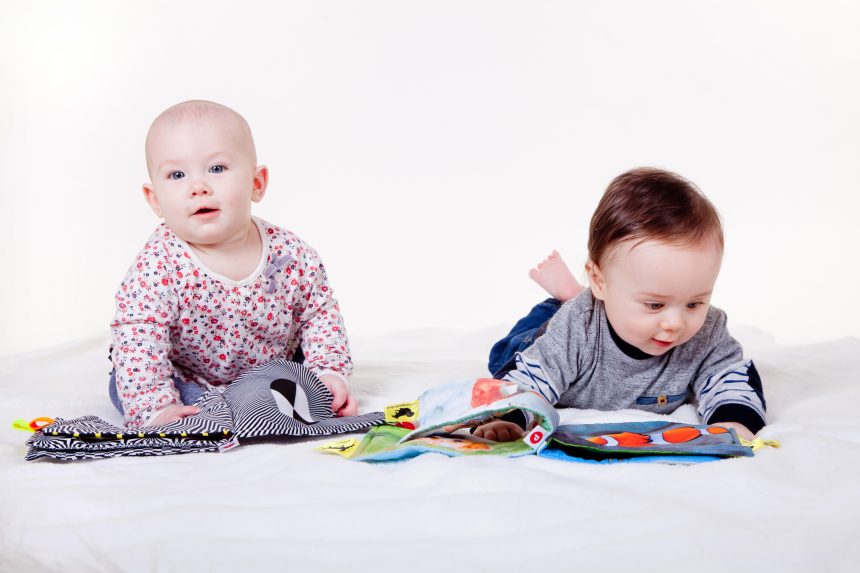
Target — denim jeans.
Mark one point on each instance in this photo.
(521, 336)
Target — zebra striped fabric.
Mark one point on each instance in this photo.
(277, 399)
(284, 398)
(66, 448)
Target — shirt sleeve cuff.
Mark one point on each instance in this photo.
(145, 421)
(737, 413)
(340, 375)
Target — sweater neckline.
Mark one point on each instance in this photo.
(624, 346)
(264, 257)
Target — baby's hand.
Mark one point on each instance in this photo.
(741, 430)
(343, 404)
(499, 431)
(173, 413)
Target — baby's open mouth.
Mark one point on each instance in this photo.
(204, 211)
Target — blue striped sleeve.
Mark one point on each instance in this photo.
(530, 374)
(736, 392)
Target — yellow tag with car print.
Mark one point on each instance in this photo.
(404, 414)
(343, 448)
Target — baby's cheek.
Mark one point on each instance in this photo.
(695, 328)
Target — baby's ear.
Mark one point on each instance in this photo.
(596, 280)
(261, 181)
(149, 195)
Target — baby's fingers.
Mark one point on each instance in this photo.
(509, 434)
(499, 432)
(339, 398)
(454, 428)
(186, 411)
(486, 431)
(171, 414)
(349, 408)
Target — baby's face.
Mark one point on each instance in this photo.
(204, 177)
(657, 294)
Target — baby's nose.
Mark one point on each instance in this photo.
(671, 322)
(200, 188)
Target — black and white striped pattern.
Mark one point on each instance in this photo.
(90, 437)
(70, 448)
(214, 421)
(282, 398)
(277, 399)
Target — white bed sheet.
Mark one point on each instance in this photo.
(285, 506)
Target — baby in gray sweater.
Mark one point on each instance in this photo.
(644, 335)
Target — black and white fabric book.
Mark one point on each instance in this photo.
(279, 399)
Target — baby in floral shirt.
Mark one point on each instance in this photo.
(216, 291)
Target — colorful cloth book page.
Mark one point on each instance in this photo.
(279, 399)
(385, 444)
(440, 420)
(470, 403)
(656, 441)
(437, 420)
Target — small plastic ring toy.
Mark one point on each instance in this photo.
(40, 422)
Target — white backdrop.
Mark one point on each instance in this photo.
(433, 151)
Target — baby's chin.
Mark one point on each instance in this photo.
(657, 348)
(207, 234)
(651, 348)
(200, 240)
(654, 350)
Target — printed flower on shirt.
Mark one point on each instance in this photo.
(189, 312)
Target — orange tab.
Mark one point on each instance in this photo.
(37, 424)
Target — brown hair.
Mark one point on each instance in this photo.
(651, 204)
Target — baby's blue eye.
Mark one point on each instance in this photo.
(217, 168)
(175, 175)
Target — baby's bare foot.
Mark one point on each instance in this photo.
(555, 278)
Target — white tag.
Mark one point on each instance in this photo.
(233, 443)
(536, 437)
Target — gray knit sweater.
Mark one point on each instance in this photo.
(577, 363)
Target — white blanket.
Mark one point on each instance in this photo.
(285, 506)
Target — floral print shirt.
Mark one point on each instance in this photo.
(175, 317)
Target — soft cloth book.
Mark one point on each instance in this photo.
(441, 419)
(279, 399)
